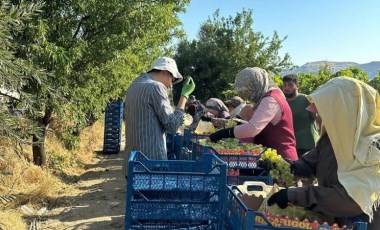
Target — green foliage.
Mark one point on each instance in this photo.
(278, 80)
(17, 106)
(375, 82)
(229, 94)
(309, 82)
(354, 72)
(58, 161)
(70, 141)
(223, 48)
(94, 49)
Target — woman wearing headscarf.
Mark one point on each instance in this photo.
(217, 108)
(346, 160)
(271, 125)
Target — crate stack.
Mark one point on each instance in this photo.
(175, 194)
(112, 127)
(170, 146)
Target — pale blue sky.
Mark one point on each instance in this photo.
(317, 30)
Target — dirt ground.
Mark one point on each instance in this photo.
(100, 202)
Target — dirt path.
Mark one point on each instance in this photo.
(100, 204)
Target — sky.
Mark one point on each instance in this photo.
(316, 30)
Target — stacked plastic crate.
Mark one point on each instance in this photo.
(234, 162)
(112, 127)
(170, 139)
(175, 194)
(183, 144)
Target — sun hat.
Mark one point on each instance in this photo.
(167, 63)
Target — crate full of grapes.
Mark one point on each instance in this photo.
(244, 212)
(236, 155)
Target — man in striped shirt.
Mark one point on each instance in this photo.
(148, 112)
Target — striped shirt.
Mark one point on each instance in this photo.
(149, 116)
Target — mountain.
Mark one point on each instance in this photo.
(372, 68)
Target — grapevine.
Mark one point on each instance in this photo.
(280, 169)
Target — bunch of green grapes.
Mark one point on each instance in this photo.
(280, 169)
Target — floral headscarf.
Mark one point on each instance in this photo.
(252, 83)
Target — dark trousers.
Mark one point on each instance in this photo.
(300, 152)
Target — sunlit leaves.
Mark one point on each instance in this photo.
(18, 107)
(225, 46)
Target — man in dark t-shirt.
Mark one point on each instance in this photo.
(303, 121)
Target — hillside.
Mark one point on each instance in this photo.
(372, 68)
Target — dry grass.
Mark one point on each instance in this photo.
(36, 186)
(10, 219)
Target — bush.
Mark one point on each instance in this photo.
(58, 161)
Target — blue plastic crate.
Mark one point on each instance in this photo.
(186, 154)
(233, 161)
(189, 137)
(178, 144)
(240, 217)
(115, 104)
(112, 127)
(170, 142)
(111, 150)
(175, 194)
(112, 135)
(113, 120)
(110, 146)
(175, 143)
(112, 142)
(232, 180)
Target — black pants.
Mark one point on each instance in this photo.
(300, 152)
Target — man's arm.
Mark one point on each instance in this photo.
(170, 119)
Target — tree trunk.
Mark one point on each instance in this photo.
(39, 154)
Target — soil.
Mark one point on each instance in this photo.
(99, 202)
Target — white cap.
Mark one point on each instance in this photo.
(167, 63)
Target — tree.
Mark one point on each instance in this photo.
(223, 48)
(354, 72)
(18, 107)
(94, 49)
(309, 82)
(375, 82)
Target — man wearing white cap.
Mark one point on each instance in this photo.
(148, 113)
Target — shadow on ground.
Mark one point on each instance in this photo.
(101, 202)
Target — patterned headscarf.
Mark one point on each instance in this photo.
(252, 83)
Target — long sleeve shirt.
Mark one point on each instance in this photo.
(329, 197)
(149, 116)
(268, 111)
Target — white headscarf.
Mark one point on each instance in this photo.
(350, 112)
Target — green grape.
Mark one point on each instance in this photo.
(281, 172)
